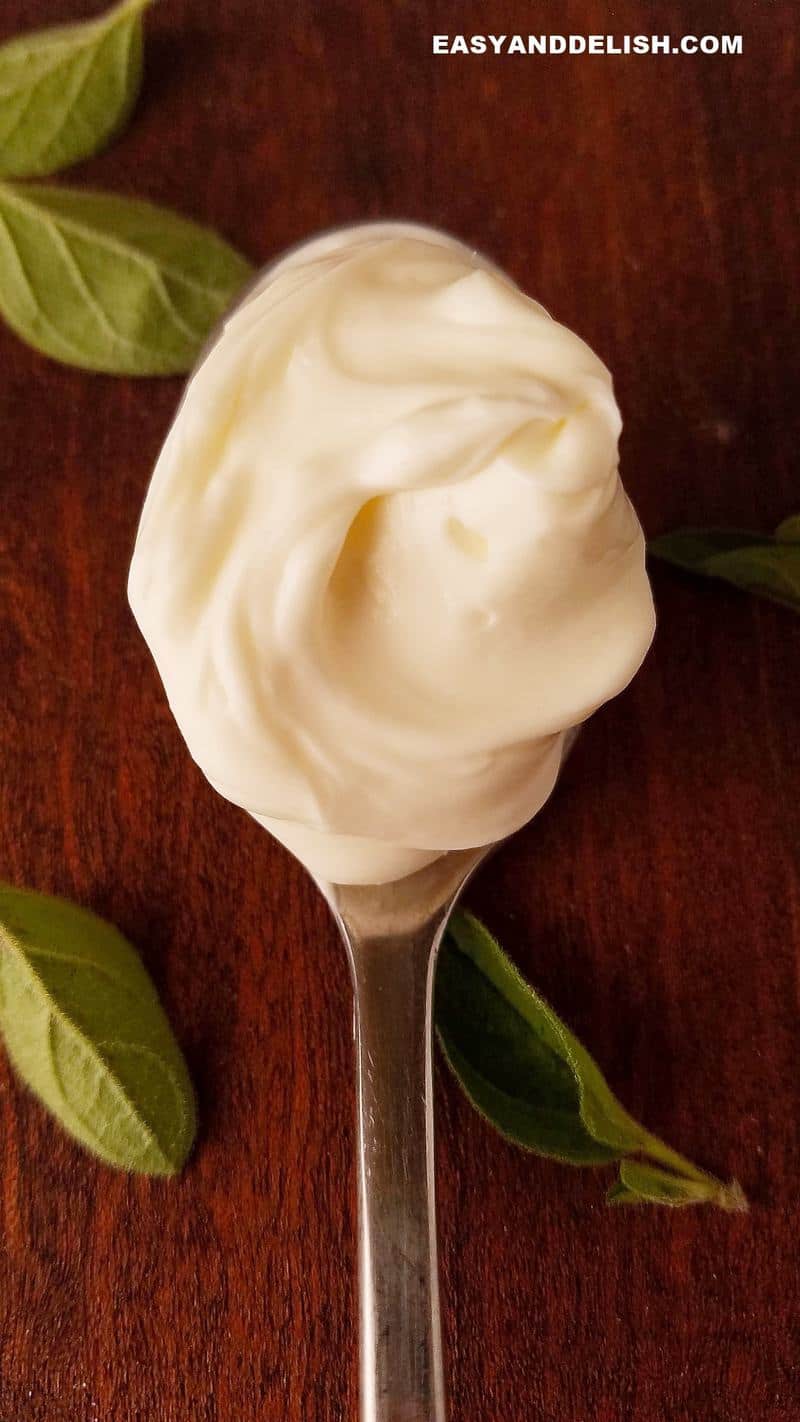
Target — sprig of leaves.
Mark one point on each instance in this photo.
(96, 280)
(85, 1030)
(764, 564)
(524, 1070)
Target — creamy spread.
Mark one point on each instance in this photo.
(386, 560)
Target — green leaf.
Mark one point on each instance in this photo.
(65, 92)
(524, 1070)
(518, 1063)
(757, 563)
(85, 1030)
(111, 283)
(642, 1183)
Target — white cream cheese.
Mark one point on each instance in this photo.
(386, 559)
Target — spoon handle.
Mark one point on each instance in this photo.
(400, 1347)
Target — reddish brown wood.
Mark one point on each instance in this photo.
(652, 204)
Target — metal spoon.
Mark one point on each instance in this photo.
(392, 933)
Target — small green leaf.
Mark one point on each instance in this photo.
(642, 1183)
(65, 92)
(533, 1080)
(85, 1030)
(520, 1066)
(757, 563)
(111, 283)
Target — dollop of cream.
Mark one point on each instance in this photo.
(385, 560)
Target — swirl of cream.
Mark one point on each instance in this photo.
(386, 560)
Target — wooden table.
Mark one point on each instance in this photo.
(651, 202)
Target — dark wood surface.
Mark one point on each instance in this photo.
(651, 203)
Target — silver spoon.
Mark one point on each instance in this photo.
(392, 933)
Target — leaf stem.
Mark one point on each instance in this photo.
(655, 1149)
(728, 1197)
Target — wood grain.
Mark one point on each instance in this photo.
(652, 203)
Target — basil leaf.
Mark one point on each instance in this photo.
(642, 1183)
(757, 563)
(524, 1071)
(85, 1030)
(65, 92)
(111, 283)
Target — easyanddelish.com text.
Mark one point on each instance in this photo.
(586, 44)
